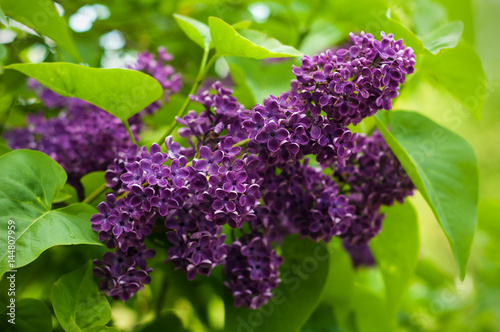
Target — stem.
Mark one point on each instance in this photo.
(130, 133)
(94, 195)
(201, 74)
(241, 143)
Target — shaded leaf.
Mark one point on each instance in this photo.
(77, 302)
(370, 311)
(30, 315)
(91, 182)
(169, 319)
(303, 276)
(66, 194)
(396, 251)
(340, 283)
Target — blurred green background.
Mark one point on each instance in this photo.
(110, 33)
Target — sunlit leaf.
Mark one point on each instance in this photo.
(121, 92)
(459, 71)
(197, 31)
(443, 167)
(30, 181)
(445, 36)
(42, 16)
(227, 41)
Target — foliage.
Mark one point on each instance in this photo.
(251, 47)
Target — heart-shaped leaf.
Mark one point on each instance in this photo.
(443, 167)
(121, 92)
(42, 16)
(77, 303)
(227, 41)
(30, 182)
(196, 31)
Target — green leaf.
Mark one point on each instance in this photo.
(373, 19)
(227, 41)
(465, 11)
(489, 210)
(4, 149)
(30, 315)
(340, 283)
(460, 72)
(370, 311)
(396, 251)
(121, 92)
(101, 328)
(241, 25)
(77, 302)
(257, 79)
(3, 52)
(196, 31)
(303, 276)
(443, 167)
(66, 194)
(42, 16)
(445, 36)
(30, 181)
(402, 32)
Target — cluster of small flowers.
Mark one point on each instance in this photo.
(193, 200)
(375, 178)
(252, 270)
(165, 74)
(84, 138)
(270, 188)
(351, 84)
(347, 85)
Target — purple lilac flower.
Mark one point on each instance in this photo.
(252, 270)
(351, 84)
(269, 186)
(376, 178)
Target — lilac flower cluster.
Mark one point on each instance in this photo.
(84, 138)
(302, 199)
(375, 178)
(193, 200)
(331, 91)
(351, 84)
(252, 270)
(268, 190)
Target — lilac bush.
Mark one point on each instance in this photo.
(252, 171)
